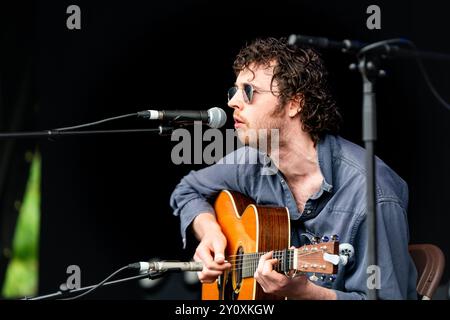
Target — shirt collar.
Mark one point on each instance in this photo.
(325, 156)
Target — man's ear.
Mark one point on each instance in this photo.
(296, 104)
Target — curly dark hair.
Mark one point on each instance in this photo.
(298, 71)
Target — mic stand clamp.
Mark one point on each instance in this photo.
(153, 275)
(165, 130)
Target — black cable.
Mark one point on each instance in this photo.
(419, 61)
(386, 43)
(98, 285)
(136, 266)
(97, 122)
(55, 134)
(428, 81)
(59, 293)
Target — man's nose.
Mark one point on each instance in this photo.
(237, 101)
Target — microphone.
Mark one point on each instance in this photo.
(386, 48)
(167, 266)
(214, 117)
(320, 42)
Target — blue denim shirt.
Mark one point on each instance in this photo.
(339, 207)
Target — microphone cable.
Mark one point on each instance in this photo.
(90, 289)
(418, 59)
(94, 287)
(97, 122)
(427, 78)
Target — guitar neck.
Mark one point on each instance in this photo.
(248, 262)
(308, 258)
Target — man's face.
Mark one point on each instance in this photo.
(259, 113)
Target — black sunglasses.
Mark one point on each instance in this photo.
(248, 92)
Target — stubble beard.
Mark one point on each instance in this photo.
(254, 135)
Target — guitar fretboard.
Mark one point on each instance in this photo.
(248, 262)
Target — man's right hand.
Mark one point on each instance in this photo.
(211, 250)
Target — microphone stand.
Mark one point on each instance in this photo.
(368, 66)
(161, 130)
(62, 293)
(369, 57)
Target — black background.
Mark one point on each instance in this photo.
(105, 199)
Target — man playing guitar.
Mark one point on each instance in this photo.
(320, 180)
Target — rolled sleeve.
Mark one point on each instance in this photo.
(190, 210)
(196, 191)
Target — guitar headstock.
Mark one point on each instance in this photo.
(318, 258)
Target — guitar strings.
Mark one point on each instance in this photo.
(252, 263)
(247, 263)
(257, 256)
(280, 259)
(277, 252)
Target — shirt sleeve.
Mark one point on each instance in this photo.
(197, 190)
(394, 275)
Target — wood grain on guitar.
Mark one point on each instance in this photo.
(252, 231)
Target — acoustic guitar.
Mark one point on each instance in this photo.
(252, 231)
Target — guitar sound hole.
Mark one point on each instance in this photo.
(220, 285)
(233, 281)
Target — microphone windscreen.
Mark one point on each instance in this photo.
(217, 117)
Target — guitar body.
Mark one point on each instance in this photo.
(249, 229)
